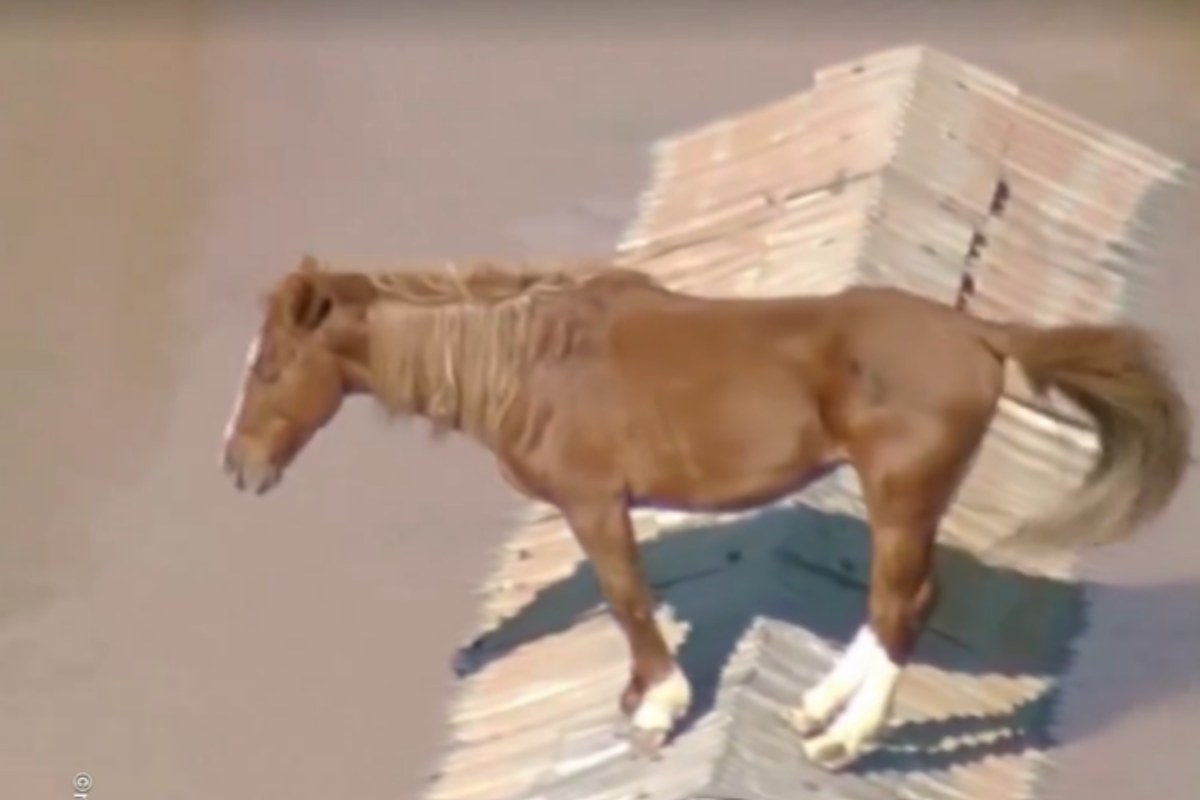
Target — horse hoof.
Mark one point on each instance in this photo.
(647, 744)
(623, 728)
(804, 723)
(828, 753)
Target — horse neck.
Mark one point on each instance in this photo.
(457, 364)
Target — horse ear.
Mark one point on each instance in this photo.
(309, 264)
(310, 305)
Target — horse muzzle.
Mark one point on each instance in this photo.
(249, 471)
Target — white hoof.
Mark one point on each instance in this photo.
(805, 723)
(646, 743)
(864, 717)
(661, 707)
(830, 752)
(822, 702)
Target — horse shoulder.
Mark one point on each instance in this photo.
(564, 432)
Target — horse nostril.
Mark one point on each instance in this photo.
(232, 464)
(250, 465)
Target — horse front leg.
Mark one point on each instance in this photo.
(658, 692)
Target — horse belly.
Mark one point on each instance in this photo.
(732, 494)
(725, 462)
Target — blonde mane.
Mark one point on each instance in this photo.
(453, 344)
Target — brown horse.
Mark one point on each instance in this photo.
(598, 390)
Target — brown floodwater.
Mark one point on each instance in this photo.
(175, 639)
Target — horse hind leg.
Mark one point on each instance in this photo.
(907, 482)
(821, 702)
(900, 597)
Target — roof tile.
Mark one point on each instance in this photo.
(905, 167)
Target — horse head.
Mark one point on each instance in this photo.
(304, 359)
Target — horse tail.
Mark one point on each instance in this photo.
(1118, 375)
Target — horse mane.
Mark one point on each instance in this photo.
(453, 344)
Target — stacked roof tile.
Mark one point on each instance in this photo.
(910, 168)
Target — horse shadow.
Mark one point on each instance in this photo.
(805, 568)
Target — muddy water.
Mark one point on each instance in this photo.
(177, 640)
(96, 208)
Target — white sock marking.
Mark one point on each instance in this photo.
(664, 703)
(821, 701)
(867, 712)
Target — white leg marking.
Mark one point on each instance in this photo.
(865, 715)
(252, 354)
(822, 701)
(664, 703)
